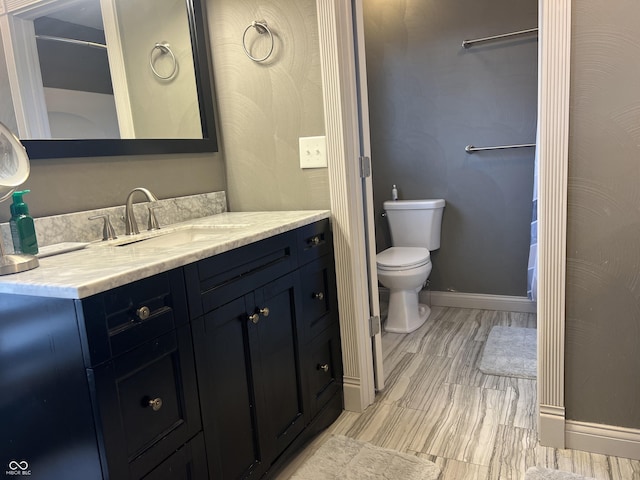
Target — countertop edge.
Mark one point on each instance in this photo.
(31, 282)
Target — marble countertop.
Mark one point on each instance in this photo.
(103, 266)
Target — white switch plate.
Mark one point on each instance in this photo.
(313, 152)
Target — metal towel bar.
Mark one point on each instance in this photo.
(468, 43)
(471, 148)
(72, 40)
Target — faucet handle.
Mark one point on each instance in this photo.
(108, 232)
(153, 221)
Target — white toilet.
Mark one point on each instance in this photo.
(404, 268)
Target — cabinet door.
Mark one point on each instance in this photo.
(227, 395)
(249, 377)
(275, 362)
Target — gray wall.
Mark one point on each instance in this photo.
(265, 107)
(75, 184)
(429, 98)
(603, 244)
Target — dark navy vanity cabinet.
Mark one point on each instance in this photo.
(265, 337)
(220, 369)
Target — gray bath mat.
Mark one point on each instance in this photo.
(510, 352)
(539, 473)
(345, 458)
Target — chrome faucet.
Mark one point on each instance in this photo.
(131, 226)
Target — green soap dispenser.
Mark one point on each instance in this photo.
(23, 231)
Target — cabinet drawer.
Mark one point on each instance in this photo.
(314, 241)
(318, 291)
(123, 318)
(146, 403)
(188, 463)
(324, 368)
(215, 280)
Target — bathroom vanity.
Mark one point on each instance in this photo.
(214, 353)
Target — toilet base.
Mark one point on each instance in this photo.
(405, 313)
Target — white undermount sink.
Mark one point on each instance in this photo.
(173, 238)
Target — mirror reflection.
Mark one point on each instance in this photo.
(101, 69)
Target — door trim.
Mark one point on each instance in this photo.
(554, 51)
(339, 80)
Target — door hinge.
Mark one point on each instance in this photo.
(374, 326)
(365, 167)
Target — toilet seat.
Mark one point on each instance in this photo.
(402, 258)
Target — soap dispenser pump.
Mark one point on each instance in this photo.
(23, 231)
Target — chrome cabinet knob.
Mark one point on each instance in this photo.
(314, 240)
(324, 367)
(264, 311)
(318, 296)
(143, 313)
(255, 318)
(155, 404)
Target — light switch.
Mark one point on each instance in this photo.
(313, 152)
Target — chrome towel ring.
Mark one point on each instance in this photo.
(164, 48)
(262, 28)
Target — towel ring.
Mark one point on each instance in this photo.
(262, 28)
(164, 48)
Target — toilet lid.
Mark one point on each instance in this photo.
(402, 257)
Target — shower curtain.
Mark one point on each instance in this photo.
(532, 270)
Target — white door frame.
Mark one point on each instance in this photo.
(25, 78)
(339, 80)
(554, 50)
(338, 63)
(117, 68)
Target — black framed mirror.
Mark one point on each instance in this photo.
(50, 145)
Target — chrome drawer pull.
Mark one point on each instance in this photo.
(318, 296)
(264, 311)
(255, 318)
(324, 367)
(143, 313)
(315, 241)
(155, 404)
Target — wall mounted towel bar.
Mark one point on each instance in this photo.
(468, 43)
(72, 40)
(471, 148)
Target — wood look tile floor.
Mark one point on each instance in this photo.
(438, 405)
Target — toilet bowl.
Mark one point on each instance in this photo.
(415, 227)
(404, 270)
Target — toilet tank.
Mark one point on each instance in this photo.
(415, 223)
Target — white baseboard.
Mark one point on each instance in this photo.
(352, 390)
(603, 439)
(551, 426)
(483, 302)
